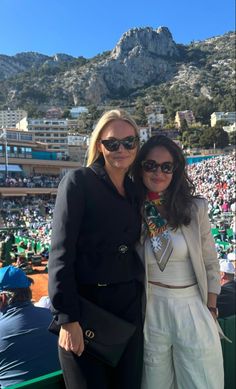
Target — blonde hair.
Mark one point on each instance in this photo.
(107, 117)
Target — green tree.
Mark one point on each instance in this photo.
(184, 125)
(214, 137)
(222, 138)
(191, 138)
(170, 125)
(139, 114)
(66, 114)
(194, 139)
(94, 112)
(203, 108)
(232, 138)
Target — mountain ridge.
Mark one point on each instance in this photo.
(143, 58)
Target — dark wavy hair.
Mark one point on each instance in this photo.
(180, 193)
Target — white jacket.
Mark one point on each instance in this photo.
(202, 251)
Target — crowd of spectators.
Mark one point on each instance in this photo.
(31, 217)
(34, 181)
(214, 179)
(28, 218)
(29, 212)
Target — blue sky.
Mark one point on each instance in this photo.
(89, 27)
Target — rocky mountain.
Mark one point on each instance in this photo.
(144, 60)
(23, 62)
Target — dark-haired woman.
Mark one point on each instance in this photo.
(182, 346)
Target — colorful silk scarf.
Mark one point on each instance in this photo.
(157, 229)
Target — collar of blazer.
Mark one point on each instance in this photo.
(98, 168)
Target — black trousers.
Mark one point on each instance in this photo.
(86, 372)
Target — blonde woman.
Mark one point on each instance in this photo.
(96, 224)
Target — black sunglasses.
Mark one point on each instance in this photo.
(152, 166)
(113, 144)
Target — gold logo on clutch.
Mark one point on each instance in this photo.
(89, 334)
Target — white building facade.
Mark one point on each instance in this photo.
(229, 117)
(155, 119)
(75, 112)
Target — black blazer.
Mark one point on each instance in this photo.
(93, 237)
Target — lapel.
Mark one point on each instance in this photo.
(191, 235)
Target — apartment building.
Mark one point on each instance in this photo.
(229, 117)
(155, 119)
(54, 132)
(154, 108)
(182, 116)
(154, 115)
(9, 118)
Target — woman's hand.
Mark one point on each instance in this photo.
(214, 314)
(71, 338)
(211, 305)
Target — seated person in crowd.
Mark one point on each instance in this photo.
(27, 348)
(226, 300)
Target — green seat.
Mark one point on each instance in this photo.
(17, 239)
(228, 325)
(38, 247)
(223, 244)
(48, 381)
(229, 233)
(215, 231)
(20, 250)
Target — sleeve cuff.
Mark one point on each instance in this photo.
(64, 318)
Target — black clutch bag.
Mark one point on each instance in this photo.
(105, 335)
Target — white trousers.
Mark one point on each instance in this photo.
(182, 346)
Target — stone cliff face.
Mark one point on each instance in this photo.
(141, 57)
(140, 41)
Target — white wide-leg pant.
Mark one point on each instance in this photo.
(182, 347)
